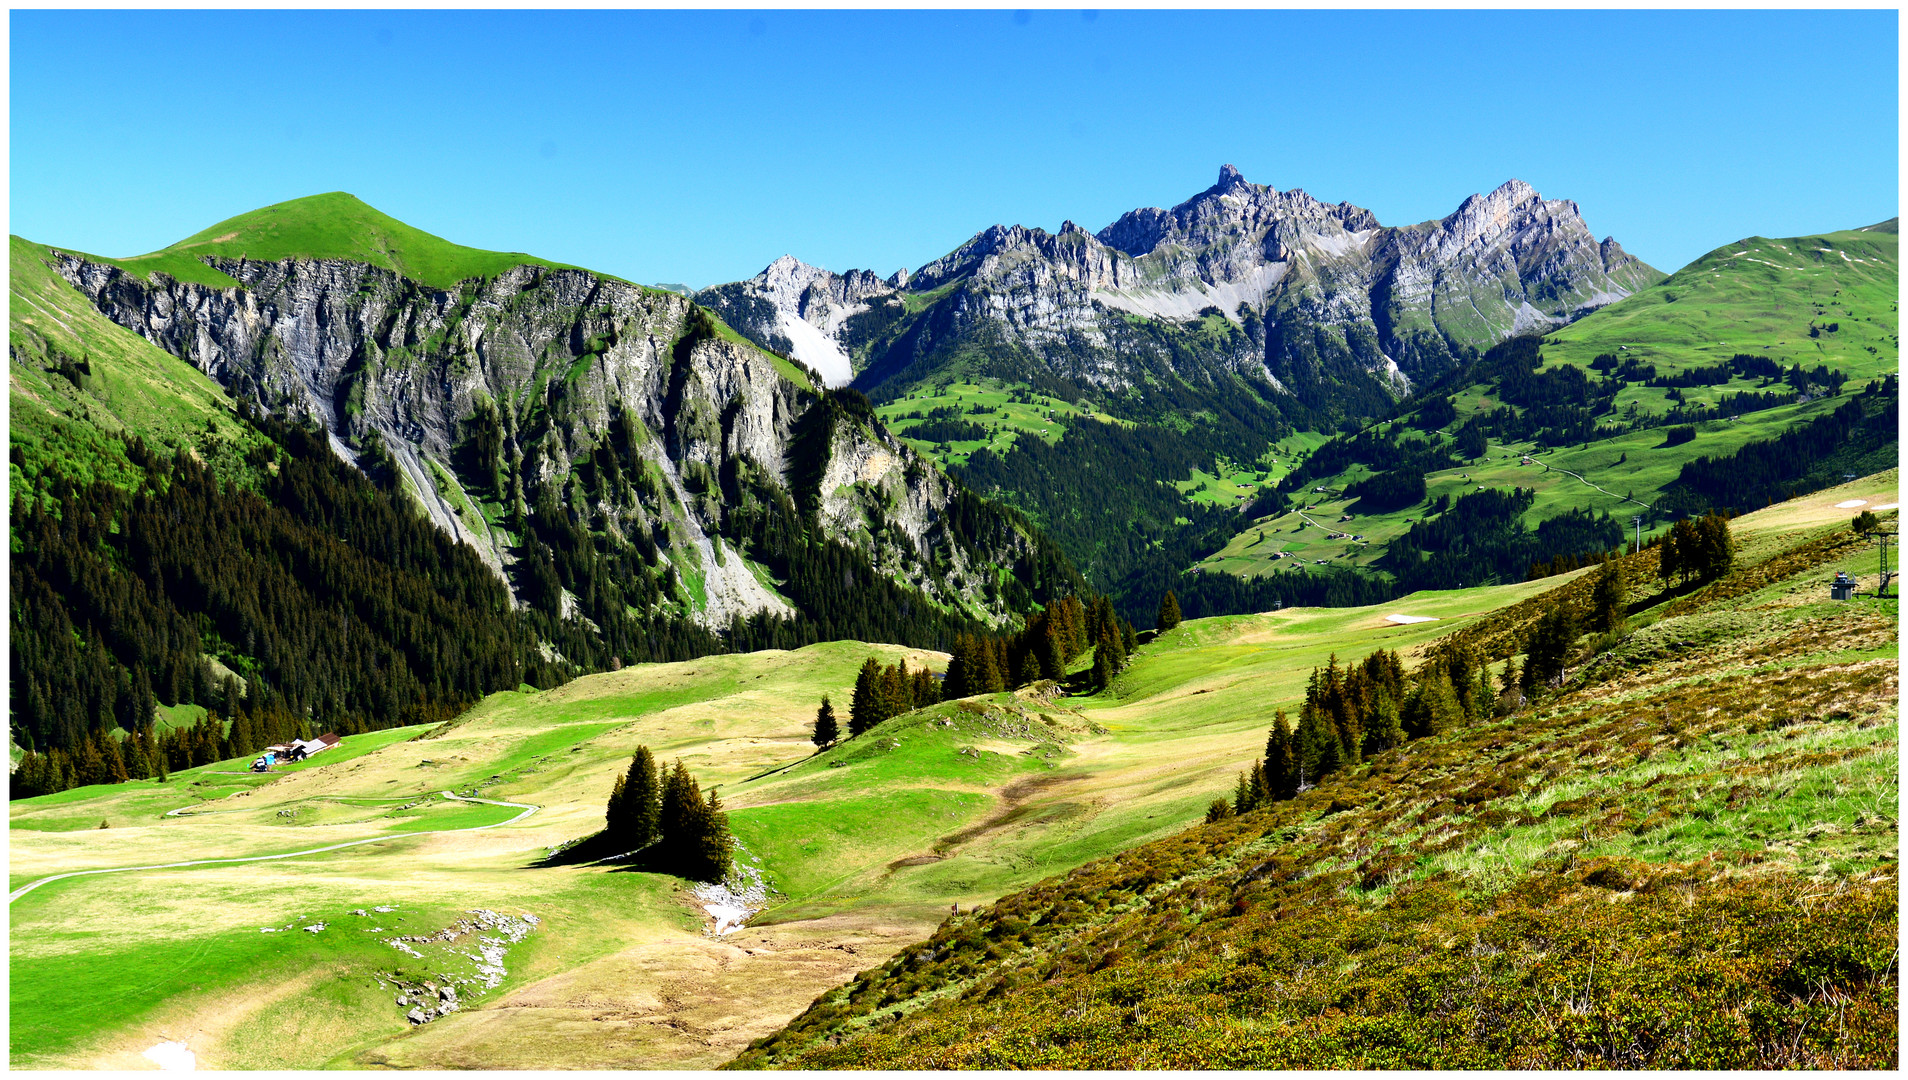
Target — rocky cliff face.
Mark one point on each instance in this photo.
(1332, 301)
(563, 394)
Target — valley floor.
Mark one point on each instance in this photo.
(866, 847)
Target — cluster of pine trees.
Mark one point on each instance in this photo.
(1700, 548)
(1050, 640)
(883, 692)
(100, 758)
(1353, 712)
(668, 818)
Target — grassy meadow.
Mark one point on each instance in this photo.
(1758, 296)
(864, 847)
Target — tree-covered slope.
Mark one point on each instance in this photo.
(1682, 856)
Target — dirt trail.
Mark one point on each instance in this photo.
(683, 1003)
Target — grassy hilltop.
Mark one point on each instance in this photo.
(335, 225)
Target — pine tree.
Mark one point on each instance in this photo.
(897, 690)
(678, 814)
(1052, 652)
(1548, 649)
(1168, 612)
(714, 845)
(1314, 749)
(1281, 771)
(1714, 546)
(90, 768)
(1218, 811)
(642, 800)
(864, 709)
(616, 813)
(1609, 609)
(926, 690)
(1432, 708)
(959, 667)
(1242, 794)
(827, 731)
(1386, 729)
(986, 675)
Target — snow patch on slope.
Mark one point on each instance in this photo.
(816, 349)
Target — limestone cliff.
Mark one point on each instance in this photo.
(543, 394)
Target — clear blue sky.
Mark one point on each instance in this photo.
(696, 147)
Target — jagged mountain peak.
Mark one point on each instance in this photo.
(785, 279)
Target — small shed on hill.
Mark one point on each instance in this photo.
(304, 749)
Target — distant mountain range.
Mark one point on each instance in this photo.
(1337, 310)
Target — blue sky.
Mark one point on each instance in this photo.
(696, 147)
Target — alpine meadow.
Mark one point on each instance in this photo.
(1248, 635)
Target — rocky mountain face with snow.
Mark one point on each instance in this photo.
(1330, 303)
(800, 310)
(573, 398)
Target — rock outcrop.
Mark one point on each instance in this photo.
(539, 391)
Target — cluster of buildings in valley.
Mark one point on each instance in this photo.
(295, 750)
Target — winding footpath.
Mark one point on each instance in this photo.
(527, 809)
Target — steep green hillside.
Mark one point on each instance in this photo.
(336, 225)
(1685, 856)
(76, 377)
(1774, 298)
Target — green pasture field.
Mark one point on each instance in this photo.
(1757, 296)
(953, 804)
(1634, 466)
(988, 403)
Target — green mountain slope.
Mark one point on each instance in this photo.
(1685, 856)
(1774, 298)
(75, 376)
(336, 225)
(1614, 414)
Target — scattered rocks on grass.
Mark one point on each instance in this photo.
(731, 901)
(485, 937)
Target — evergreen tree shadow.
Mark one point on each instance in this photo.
(593, 850)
